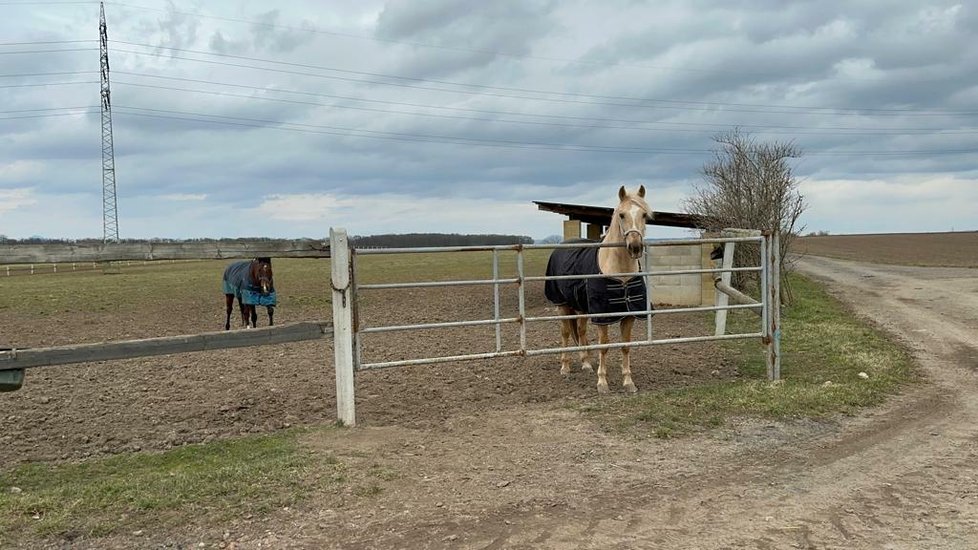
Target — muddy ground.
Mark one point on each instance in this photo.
(92, 409)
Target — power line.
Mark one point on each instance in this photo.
(65, 50)
(41, 42)
(58, 73)
(637, 101)
(456, 140)
(630, 124)
(41, 84)
(399, 136)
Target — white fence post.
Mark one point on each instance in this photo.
(342, 326)
(722, 299)
(774, 306)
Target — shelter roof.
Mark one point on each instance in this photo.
(602, 215)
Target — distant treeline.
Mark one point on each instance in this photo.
(414, 240)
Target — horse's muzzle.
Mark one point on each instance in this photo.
(635, 250)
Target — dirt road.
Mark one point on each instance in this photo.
(905, 476)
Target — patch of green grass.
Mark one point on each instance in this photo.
(195, 484)
(824, 348)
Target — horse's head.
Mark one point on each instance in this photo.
(631, 215)
(261, 274)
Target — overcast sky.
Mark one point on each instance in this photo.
(233, 119)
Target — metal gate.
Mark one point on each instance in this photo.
(348, 326)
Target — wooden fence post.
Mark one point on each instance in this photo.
(341, 280)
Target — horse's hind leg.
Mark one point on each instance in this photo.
(626, 365)
(566, 333)
(229, 302)
(602, 359)
(243, 308)
(581, 338)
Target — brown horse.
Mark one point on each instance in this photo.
(251, 282)
(617, 294)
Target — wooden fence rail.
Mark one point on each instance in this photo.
(165, 345)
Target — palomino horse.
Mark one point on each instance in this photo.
(250, 281)
(604, 294)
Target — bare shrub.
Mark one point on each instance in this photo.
(750, 185)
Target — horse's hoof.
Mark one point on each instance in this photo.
(630, 388)
(586, 367)
(565, 371)
(603, 389)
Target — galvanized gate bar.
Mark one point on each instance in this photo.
(447, 324)
(495, 300)
(644, 343)
(644, 312)
(640, 274)
(427, 284)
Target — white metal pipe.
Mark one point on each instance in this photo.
(641, 274)
(637, 313)
(643, 343)
(441, 249)
(495, 299)
(522, 297)
(447, 324)
(424, 284)
(444, 359)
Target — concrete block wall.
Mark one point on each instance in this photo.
(681, 290)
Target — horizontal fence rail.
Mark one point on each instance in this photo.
(164, 345)
(105, 252)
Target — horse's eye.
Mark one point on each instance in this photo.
(621, 215)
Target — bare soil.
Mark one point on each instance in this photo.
(953, 249)
(156, 403)
(487, 454)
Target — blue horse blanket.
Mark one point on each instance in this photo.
(237, 281)
(598, 295)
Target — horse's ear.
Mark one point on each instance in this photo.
(641, 191)
(621, 193)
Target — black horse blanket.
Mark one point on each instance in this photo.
(598, 295)
(237, 281)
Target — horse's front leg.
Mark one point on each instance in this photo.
(626, 366)
(243, 308)
(585, 354)
(253, 310)
(602, 359)
(271, 315)
(229, 301)
(565, 339)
